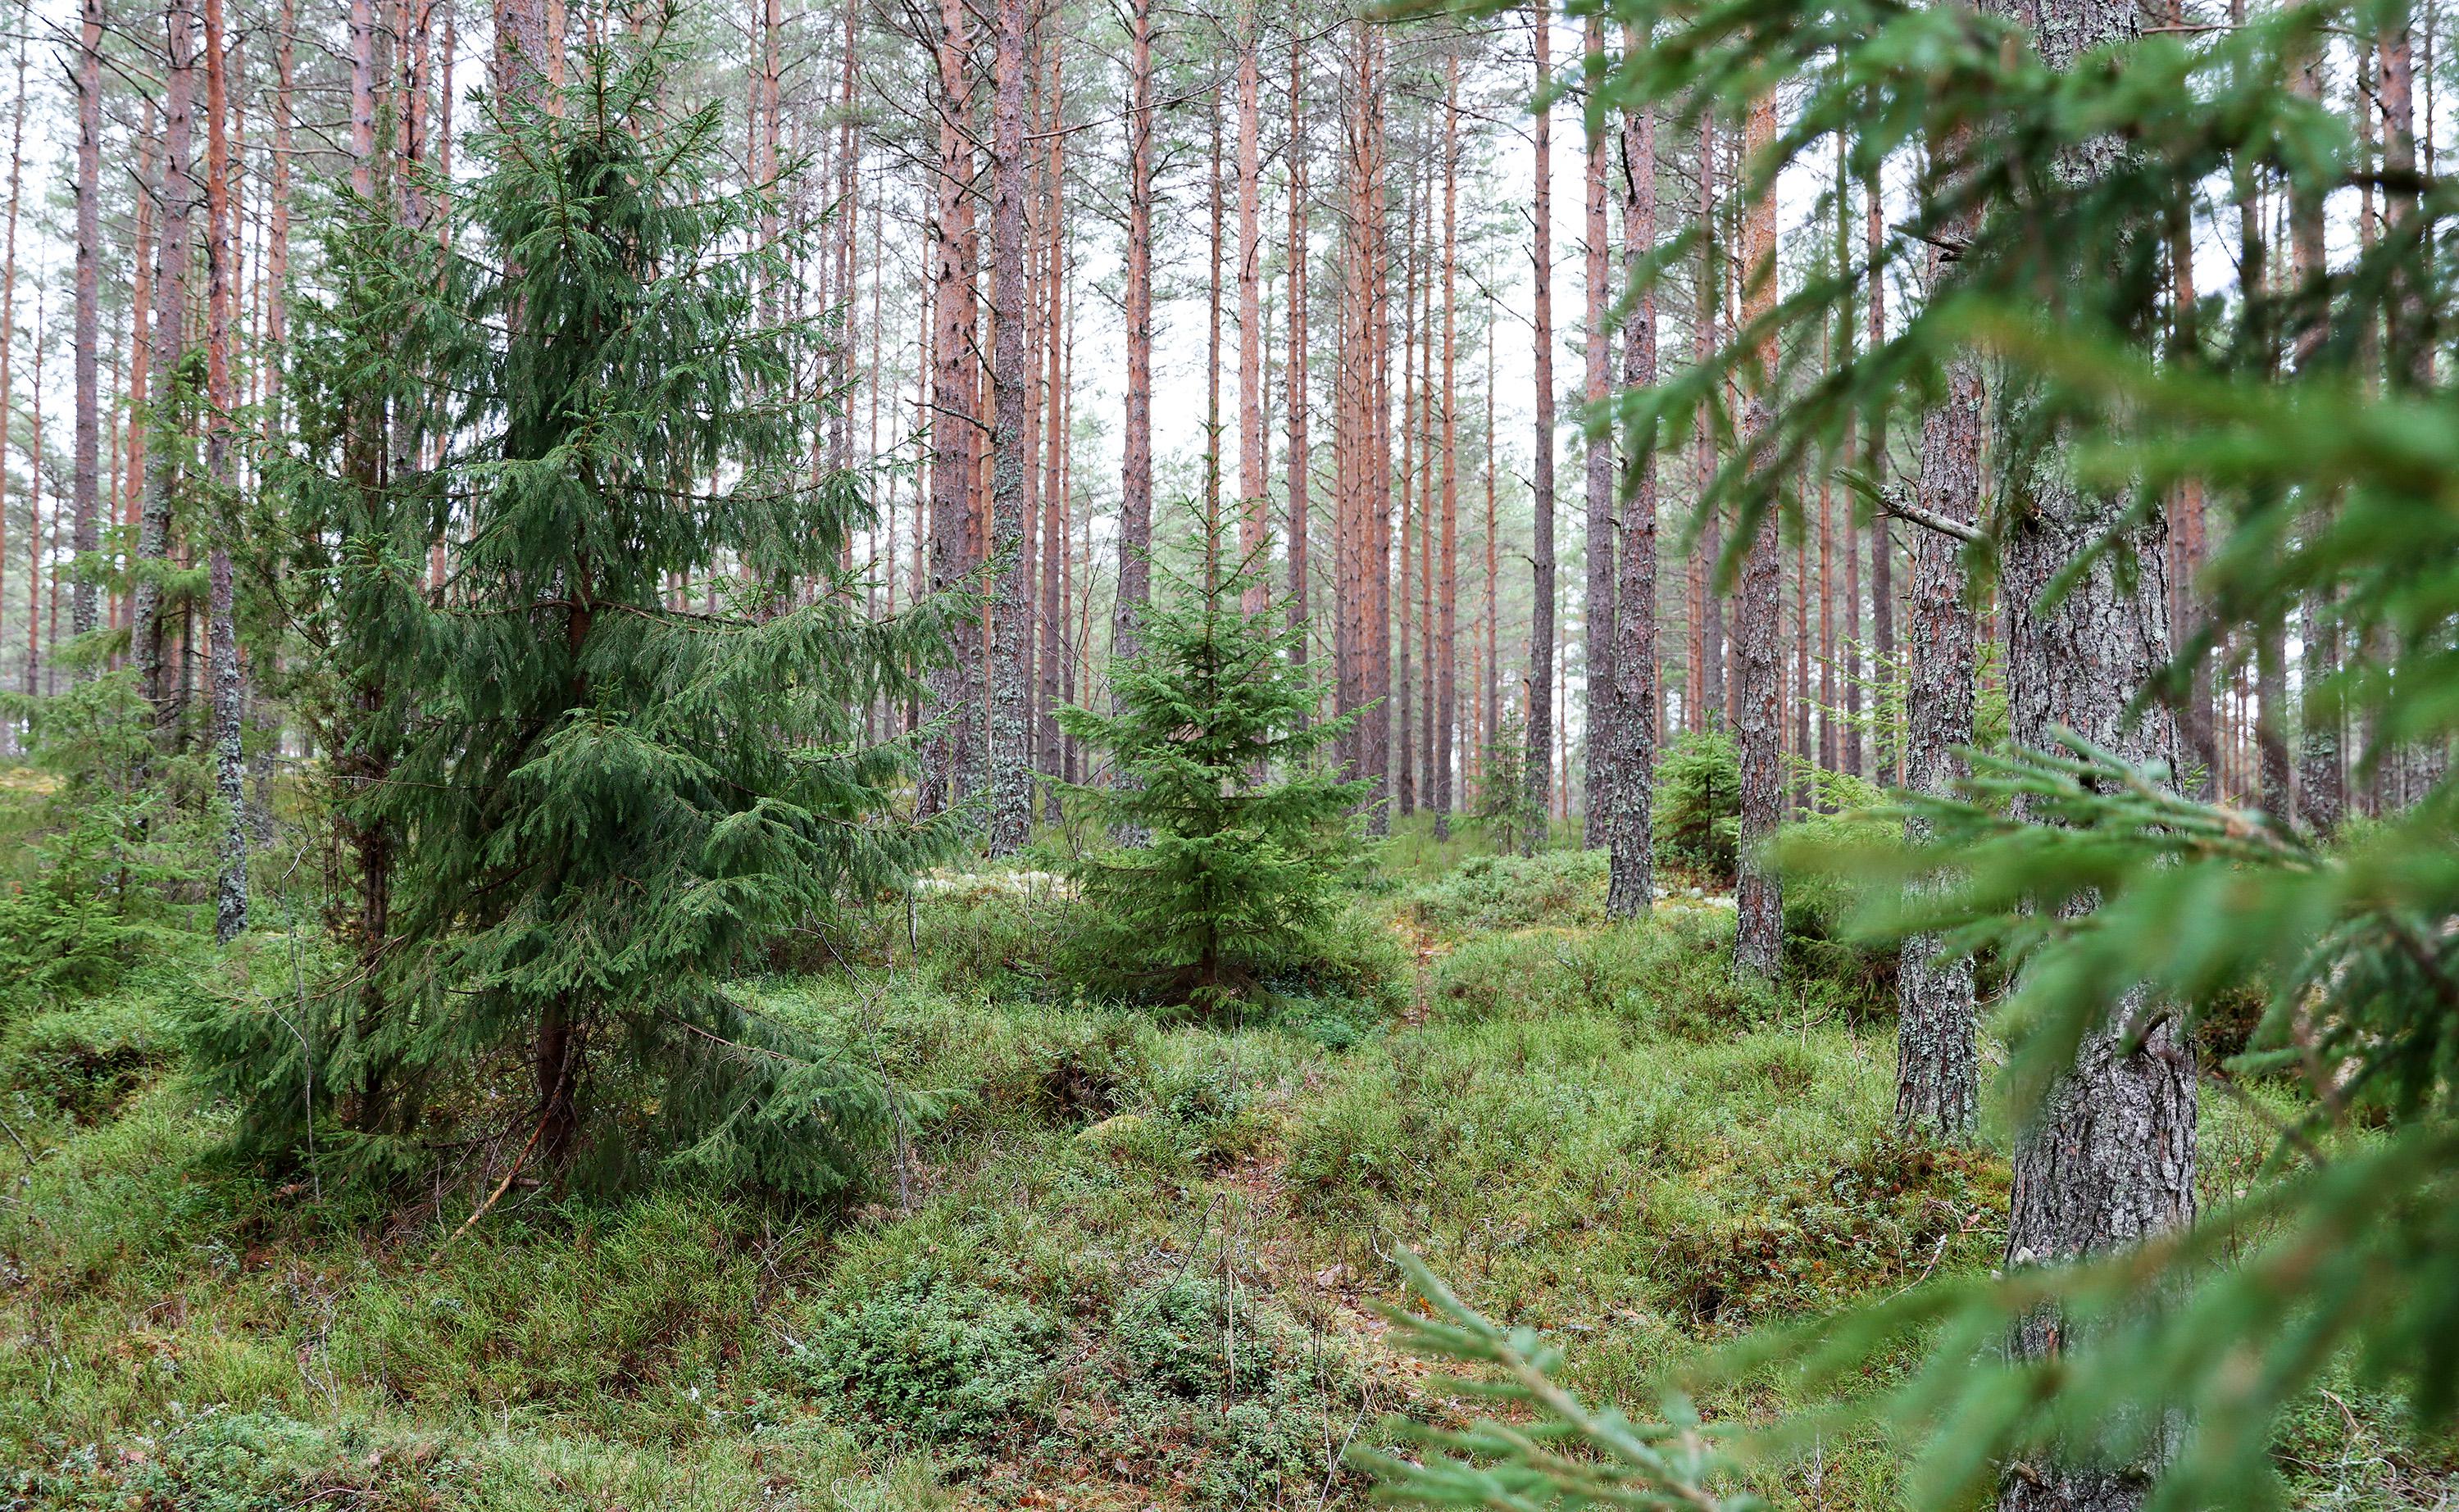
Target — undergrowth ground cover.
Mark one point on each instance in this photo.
(1112, 1260)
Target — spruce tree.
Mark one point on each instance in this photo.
(1215, 742)
(601, 806)
(1507, 810)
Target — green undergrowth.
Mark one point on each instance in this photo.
(1127, 1258)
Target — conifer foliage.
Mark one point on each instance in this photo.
(1249, 838)
(608, 803)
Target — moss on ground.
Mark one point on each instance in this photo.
(1115, 1262)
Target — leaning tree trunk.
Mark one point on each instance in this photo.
(2107, 1159)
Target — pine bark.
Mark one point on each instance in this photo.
(1447, 646)
(222, 464)
(953, 409)
(1882, 545)
(1541, 625)
(86, 475)
(1707, 614)
(1937, 1064)
(1630, 884)
(1253, 456)
(8, 322)
(1597, 387)
(1135, 476)
(1296, 379)
(2321, 783)
(177, 196)
(1055, 530)
(1010, 768)
(2107, 1159)
(1758, 937)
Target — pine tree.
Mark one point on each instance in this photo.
(605, 805)
(1249, 837)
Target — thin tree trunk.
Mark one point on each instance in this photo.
(1297, 380)
(1849, 755)
(9, 317)
(1447, 677)
(1412, 397)
(1253, 458)
(1136, 478)
(1541, 628)
(1604, 746)
(1010, 768)
(1490, 722)
(1707, 621)
(1758, 938)
(2323, 791)
(222, 465)
(86, 476)
(177, 196)
(1882, 545)
(1377, 494)
(1055, 530)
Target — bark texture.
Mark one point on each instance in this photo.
(1604, 747)
(2108, 1160)
(1937, 1068)
(86, 469)
(1540, 617)
(1135, 462)
(222, 464)
(1758, 934)
(177, 196)
(1630, 885)
(1009, 767)
(954, 404)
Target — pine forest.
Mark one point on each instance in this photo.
(965, 754)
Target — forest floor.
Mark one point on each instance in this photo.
(1114, 1263)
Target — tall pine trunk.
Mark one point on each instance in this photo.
(1009, 767)
(1758, 937)
(1294, 382)
(1631, 879)
(177, 197)
(1541, 620)
(222, 464)
(1447, 644)
(2107, 1159)
(1136, 464)
(1253, 457)
(1936, 1066)
(85, 486)
(953, 408)
(1604, 744)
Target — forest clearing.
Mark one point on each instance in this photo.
(1023, 754)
